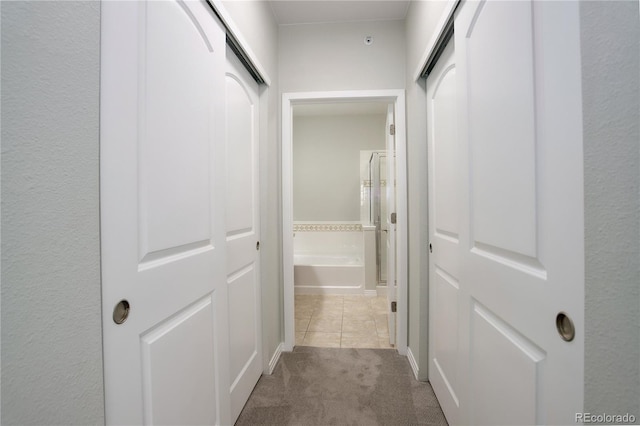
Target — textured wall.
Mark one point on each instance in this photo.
(51, 324)
(422, 19)
(326, 164)
(255, 21)
(610, 35)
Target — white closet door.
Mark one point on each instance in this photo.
(162, 213)
(508, 259)
(243, 232)
(444, 234)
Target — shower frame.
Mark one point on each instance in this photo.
(376, 200)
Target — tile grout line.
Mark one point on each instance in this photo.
(371, 313)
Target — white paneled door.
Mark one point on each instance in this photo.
(506, 216)
(445, 161)
(162, 214)
(242, 232)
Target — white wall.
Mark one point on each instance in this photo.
(51, 307)
(422, 18)
(326, 164)
(610, 33)
(324, 57)
(257, 25)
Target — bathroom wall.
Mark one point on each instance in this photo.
(326, 164)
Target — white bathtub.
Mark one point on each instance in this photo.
(329, 262)
(326, 260)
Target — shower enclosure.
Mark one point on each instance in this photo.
(378, 210)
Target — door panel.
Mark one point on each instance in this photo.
(503, 210)
(242, 338)
(444, 225)
(173, 143)
(445, 169)
(240, 134)
(524, 256)
(501, 355)
(162, 213)
(445, 317)
(505, 159)
(167, 367)
(243, 232)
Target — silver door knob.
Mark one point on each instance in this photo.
(121, 311)
(565, 327)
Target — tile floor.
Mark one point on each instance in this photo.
(350, 321)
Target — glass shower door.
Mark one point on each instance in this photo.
(378, 211)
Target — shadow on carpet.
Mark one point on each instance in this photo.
(326, 386)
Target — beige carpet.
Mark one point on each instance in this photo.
(326, 386)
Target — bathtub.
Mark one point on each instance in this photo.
(328, 260)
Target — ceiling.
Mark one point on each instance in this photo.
(290, 12)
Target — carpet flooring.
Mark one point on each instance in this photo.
(332, 386)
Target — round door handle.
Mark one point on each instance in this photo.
(121, 311)
(565, 327)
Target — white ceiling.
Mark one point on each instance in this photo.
(289, 12)
(341, 108)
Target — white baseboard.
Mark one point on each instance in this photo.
(371, 293)
(413, 363)
(381, 290)
(275, 358)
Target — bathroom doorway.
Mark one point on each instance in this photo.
(329, 233)
(334, 282)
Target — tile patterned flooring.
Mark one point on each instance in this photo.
(350, 321)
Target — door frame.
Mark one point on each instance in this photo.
(397, 98)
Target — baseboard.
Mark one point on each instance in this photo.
(381, 290)
(371, 293)
(275, 358)
(413, 363)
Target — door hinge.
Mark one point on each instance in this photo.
(392, 129)
(394, 306)
(393, 218)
